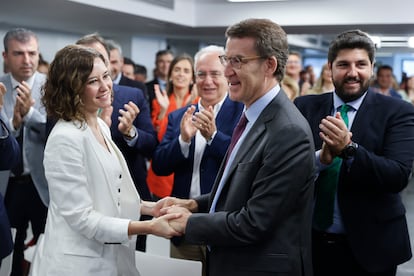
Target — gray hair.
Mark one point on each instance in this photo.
(112, 45)
(208, 49)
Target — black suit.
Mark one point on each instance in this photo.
(368, 191)
(150, 91)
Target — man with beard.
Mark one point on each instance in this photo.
(365, 149)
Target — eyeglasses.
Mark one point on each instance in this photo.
(202, 75)
(237, 61)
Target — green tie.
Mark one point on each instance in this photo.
(326, 185)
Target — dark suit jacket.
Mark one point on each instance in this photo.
(147, 137)
(133, 83)
(368, 191)
(182, 167)
(262, 223)
(10, 155)
(150, 91)
(9, 148)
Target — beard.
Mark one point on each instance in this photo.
(347, 95)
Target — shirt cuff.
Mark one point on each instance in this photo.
(185, 147)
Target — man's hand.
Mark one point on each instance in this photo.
(128, 115)
(205, 122)
(180, 223)
(187, 128)
(24, 98)
(334, 134)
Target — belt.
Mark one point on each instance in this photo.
(20, 179)
(330, 238)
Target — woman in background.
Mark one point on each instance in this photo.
(181, 92)
(94, 208)
(323, 83)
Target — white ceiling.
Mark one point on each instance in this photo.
(206, 20)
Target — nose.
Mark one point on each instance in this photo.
(352, 72)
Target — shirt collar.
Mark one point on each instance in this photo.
(355, 104)
(216, 107)
(257, 107)
(118, 78)
(15, 83)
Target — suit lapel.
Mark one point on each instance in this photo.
(363, 117)
(98, 152)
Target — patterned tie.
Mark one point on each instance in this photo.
(326, 185)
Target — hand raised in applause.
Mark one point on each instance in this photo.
(128, 115)
(187, 128)
(205, 122)
(162, 99)
(334, 134)
(24, 102)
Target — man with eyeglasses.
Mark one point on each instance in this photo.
(197, 138)
(257, 219)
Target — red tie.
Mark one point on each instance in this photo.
(237, 132)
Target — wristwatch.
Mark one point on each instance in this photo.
(131, 134)
(349, 151)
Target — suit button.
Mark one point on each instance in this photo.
(120, 176)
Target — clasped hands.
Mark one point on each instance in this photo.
(335, 136)
(172, 211)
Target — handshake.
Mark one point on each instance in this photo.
(170, 216)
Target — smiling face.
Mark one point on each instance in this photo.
(211, 83)
(351, 73)
(182, 74)
(98, 88)
(252, 79)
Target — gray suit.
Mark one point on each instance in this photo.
(262, 220)
(34, 134)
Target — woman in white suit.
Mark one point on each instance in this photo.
(94, 208)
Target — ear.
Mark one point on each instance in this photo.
(271, 63)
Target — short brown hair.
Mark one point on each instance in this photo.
(271, 40)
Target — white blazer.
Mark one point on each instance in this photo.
(87, 224)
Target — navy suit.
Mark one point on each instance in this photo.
(147, 138)
(169, 149)
(368, 191)
(10, 154)
(133, 83)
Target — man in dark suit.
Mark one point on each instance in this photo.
(257, 220)
(10, 155)
(163, 59)
(365, 231)
(197, 154)
(131, 127)
(117, 61)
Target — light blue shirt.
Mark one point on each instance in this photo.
(252, 113)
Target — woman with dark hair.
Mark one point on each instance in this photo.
(181, 91)
(94, 208)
